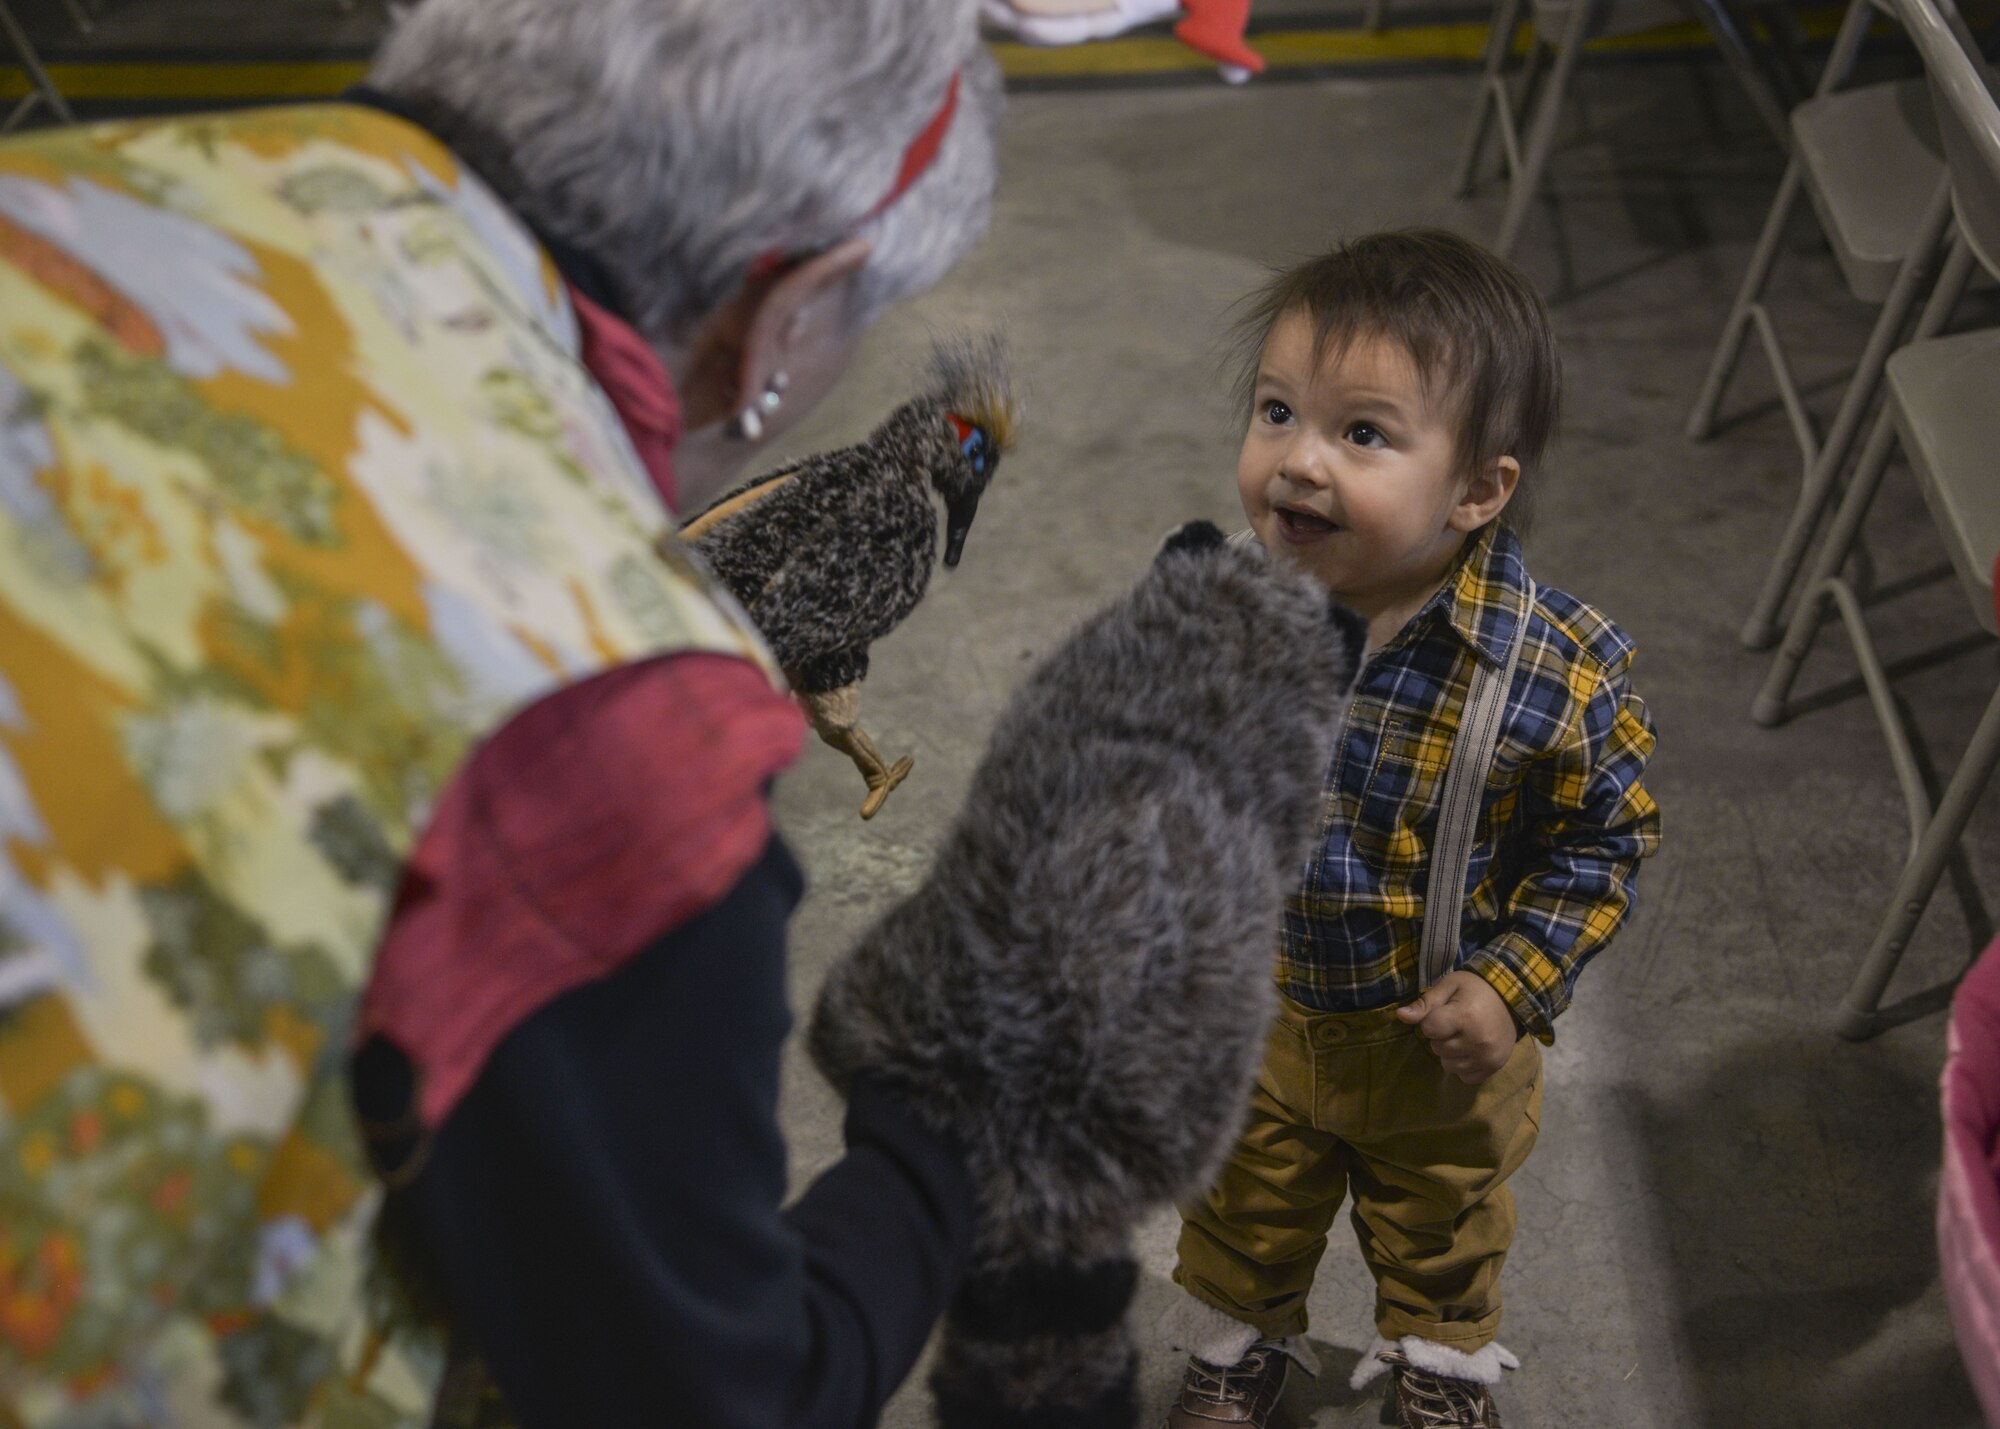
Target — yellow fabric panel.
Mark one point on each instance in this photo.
(317, 414)
(40, 1044)
(98, 815)
(306, 1180)
(307, 491)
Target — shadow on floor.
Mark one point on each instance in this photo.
(1305, 1397)
(1796, 1182)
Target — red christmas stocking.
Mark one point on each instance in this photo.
(1215, 27)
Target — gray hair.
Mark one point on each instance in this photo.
(676, 141)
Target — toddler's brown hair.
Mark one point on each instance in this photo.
(1476, 330)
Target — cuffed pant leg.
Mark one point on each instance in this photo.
(1250, 1246)
(1431, 1205)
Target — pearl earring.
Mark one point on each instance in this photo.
(749, 423)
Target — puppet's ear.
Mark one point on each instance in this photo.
(1194, 536)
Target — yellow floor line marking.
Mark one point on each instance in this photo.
(1136, 55)
(219, 82)
(1303, 49)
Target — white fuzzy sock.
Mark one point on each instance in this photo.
(1198, 1328)
(1482, 1366)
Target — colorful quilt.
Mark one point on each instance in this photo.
(303, 491)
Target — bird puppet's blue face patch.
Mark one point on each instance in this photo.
(971, 441)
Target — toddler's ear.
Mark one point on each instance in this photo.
(1194, 536)
(1352, 632)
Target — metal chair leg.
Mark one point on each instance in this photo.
(1787, 46)
(1511, 111)
(1839, 65)
(1860, 1012)
(43, 90)
(1769, 706)
(1492, 92)
(1749, 301)
(1542, 133)
(1823, 467)
(1723, 28)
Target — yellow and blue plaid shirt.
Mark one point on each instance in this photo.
(1563, 822)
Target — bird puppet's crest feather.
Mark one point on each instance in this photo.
(975, 380)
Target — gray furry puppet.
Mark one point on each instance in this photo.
(1080, 989)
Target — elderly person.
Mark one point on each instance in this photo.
(355, 703)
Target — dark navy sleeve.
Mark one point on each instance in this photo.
(603, 1208)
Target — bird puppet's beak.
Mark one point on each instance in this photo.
(958, 512)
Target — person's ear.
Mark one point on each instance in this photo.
(1486, 495)
(803, 309)
(769, 328)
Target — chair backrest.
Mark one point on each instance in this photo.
(1968, 114)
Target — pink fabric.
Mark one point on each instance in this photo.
(636, 381)
(1969, 1186)
(595, 821)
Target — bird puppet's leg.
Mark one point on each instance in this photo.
(835, 715)
(881, 776)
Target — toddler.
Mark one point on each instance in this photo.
(1400, 391)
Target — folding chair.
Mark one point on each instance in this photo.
(41, 89)
(1558, 31)
(1943, 402)
(1868, 158)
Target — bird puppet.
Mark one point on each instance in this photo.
(833, 552)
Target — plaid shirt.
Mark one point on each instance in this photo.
(1563, 822)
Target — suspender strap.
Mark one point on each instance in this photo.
(1472, 753)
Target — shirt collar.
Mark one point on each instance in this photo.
(639, 387)
(1485, 595)
(1480, 602)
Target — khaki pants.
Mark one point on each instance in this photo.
(1356, 1105)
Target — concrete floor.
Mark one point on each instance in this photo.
(1728, 1220)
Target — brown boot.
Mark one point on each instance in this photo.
(1245, 1394)
(1431, 1401)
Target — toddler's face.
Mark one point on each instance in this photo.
(1347, 471)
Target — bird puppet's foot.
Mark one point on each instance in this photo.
(881, 775)
(879, 785)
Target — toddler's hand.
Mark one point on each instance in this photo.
(1467, 1024)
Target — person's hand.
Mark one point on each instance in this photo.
(1467, 1024)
